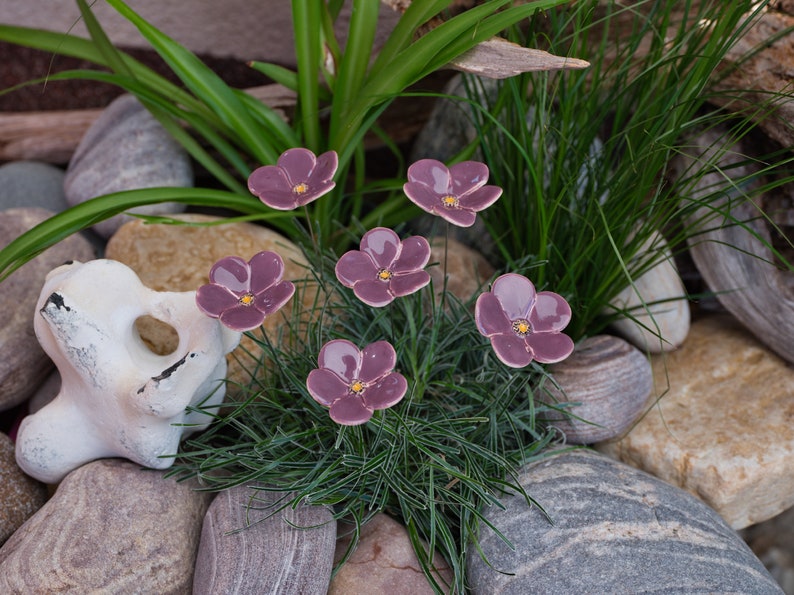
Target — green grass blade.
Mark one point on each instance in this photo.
(111, 55)
(307, 21)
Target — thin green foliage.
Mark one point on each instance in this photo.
(582, 155)
(437, 460)
(340, 97)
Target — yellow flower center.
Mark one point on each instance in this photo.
(301, 188)
(385, 274)
(449, 201)
(247, 299)
(522, 327)
(357, 387)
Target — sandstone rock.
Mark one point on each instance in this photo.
(111, 527)
(607, 383)
(383, 562)
(249, 546)
(20, 496)
(32, 184)
(615, 530)
(723, 429)
(466, 269)
(23, 364)
(126, 149)
(658, 311)
(179, 258)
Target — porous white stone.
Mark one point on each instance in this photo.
(117, 397)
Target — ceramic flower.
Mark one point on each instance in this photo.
(385, 267)
(523, 325)
(241, 294)
(456, 194)
(354, 383)
(297, 179)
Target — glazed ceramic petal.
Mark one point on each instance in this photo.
(297, 164)
(387, 392)
(549, 348)
(432, 174)
(342, 358)
(242, 318)
(423, 196)
(350, 411)
(374, 293)
(377, 360)
(355, 266)
(511, 350)
(233, 273)
(407, 283)
(490, 317)
(213, 300)
(267, 268)
(325, 387)
(414, 255)
(516, 294)
(467, 176)
(382, 244)
(480, 199)
(273, 298)
(551, 313)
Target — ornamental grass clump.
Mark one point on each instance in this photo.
(385, 399)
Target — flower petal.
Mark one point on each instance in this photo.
(350, 411)
(490, 317)
(382, 244)
(467, 176)
(315, 191)
(373, 293)
(551, 312)
(355, 266)
(457, 216)
(233, 273)
(481, 198)
(213, 299)
(342, 358)
(325, 167)
(273, 298)
(242, 318)
(432, 174)
(297, 164)
(407, 283)
(271, 185)
(415, 254)
(511, 350)
(386, 393)
(549, 348)
(422, 196)
(377, 360)
(267, 268)
(516, 293)
(325, 387)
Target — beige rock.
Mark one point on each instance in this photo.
(20, 495)
(466, 269)
(723, 430)
(111, 527)
(384, 562)
(179, 258)
(23, 364)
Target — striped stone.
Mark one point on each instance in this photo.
(614, 529)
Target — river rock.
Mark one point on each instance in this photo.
(20, 495)
(383, 562)
(613, 529)
(126, 149)
(23, 364)
(111, 527)
(722, 430)
(771, 541)
(249, 546)
(601, 389)
(32, 184)
(179, 258)
(657, 310)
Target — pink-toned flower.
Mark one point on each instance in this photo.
(385, 267)
(354, 383)
(523, 325)
(296, 180)
(241, 294)
(456, 194)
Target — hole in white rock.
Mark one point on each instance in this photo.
(160, 337)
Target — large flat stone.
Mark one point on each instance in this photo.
(724, 429)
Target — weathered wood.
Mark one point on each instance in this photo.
(50, 136)
(736, 260)
(498, 58)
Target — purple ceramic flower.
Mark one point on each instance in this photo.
(524, 325)
(354, 383)
(385, 267)
(456, 194)
(241, 294)
(298, 178)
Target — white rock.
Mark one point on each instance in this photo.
(659, 312)
(117, 397)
